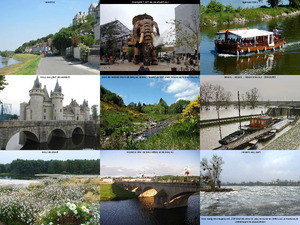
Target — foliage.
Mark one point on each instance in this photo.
(70, 57)
(178, 106)
(273, 3)
(295, 3)
(94, 112)
(30, 67)
(84, 52)
(63, 39)
(3, 82)
(111, 97)
(110, 47)
(229, 8)
(20, 166)
(192, 111)
(210, 171)
(215, 6)
(29, 205)
(21, 49)
(6, 53)
(89, 40)
(75, 41)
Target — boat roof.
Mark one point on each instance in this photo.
(246, 33)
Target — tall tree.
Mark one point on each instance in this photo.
(94, 112)
(211, 171)
(3, 82)
(63, 39)
(252, 97)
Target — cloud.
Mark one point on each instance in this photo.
(182, 88)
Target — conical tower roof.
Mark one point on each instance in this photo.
(37, 84)
(57, 88)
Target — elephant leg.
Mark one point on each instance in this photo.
(136, 56)
(153, 57)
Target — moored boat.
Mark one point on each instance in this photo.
(232, 137)
(251, 144)
(245, 40)
(267, 136)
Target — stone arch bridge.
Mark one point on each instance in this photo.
(40, 131)
(166, 195)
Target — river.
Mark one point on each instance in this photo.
(252, 201)
(140, 211)
(18, 180)
(77, 142)
(280, 62)
(7, 61)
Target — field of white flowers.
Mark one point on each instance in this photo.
(51, 201)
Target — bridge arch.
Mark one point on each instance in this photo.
(148, 191)
(78, 130)
(29, 134)
(57, 132)
(180, 199)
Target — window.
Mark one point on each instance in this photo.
(60, 110)
(44, 110)
(44, 117)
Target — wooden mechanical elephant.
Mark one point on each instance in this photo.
(142, 40)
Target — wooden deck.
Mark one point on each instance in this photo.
(246, 139)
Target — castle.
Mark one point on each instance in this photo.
(41, 106)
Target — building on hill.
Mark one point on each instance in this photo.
(40, 47)
(93, 10)
(79, 18)
(43, 106)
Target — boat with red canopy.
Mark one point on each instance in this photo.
(245, 40)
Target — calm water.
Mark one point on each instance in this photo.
(77, 142)
(280, 62)
(252, 201)
(229, 112)
(140, 211)
(20, 181)
(7, 61)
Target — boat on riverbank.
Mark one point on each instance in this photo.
(232, 137)
(245, 40)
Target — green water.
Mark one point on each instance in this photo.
(281, 62)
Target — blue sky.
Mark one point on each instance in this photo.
(261, 166)
(149, 90)
(151, 163)
(25, 20)
(9, 156)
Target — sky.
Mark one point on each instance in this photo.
(280, 88)
(150, 163)
(263, 166)
(25, 20)
(149, 90)
(78, 87)
(9, 156)
(161, 14)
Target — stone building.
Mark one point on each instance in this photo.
(43, 106)
(94, 10)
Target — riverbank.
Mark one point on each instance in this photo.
(245, 15)
(28, 65)
(112, 192)
(208, 189)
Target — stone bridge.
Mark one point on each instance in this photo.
(40, 131)
(166, 195)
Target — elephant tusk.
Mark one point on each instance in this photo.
(142, 37)
(153, 37)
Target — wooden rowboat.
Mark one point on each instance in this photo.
(232, 137)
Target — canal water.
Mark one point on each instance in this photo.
(252, 201)
(17, 180)
(280, 62)
(77, 142)
(141, 211)
(7, 61)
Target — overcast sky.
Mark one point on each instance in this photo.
(9, 156)
(264, 166)
(125, 13)
(123, 163)
(78, 87)
(279, 88)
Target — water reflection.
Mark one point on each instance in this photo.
(140, 211)
(7, 61)
(77, 142)
(284, 61)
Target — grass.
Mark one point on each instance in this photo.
(110, 192)
(28, 65)
(250, 14)
(180, 136)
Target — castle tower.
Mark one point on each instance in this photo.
(36, 101)
(86, 109)
(57, 101)
(23, 111)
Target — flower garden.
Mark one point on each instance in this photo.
(52, 201)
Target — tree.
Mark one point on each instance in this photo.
(94, 112)
(294, 3)
(178, 106)
(206, 94)
(187, 33)
(3, 82)
(212, 171)
(273, 3)
(63, 39)
(252, 97)
(139, 107)
(163, 106)
(89, 40)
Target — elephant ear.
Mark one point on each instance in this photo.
(141, 17)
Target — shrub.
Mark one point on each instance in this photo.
(69, 56)
(229, 8)
(215, 6)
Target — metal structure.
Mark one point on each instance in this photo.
(5, 111)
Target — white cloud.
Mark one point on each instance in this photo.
(182, 88)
